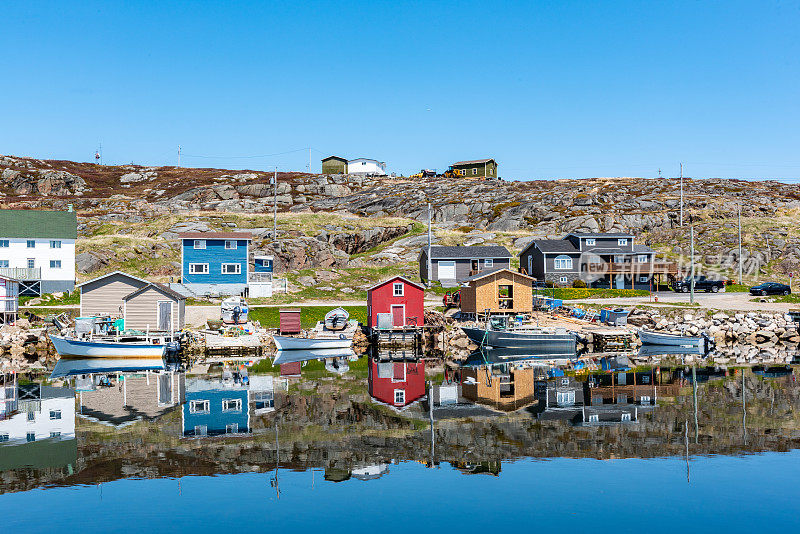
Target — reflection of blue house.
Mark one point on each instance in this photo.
(215, 262)
(212, 410)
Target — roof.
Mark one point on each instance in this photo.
(112, 274)
(44, 224)
(642, 248)
(484, 274)
(161, 287)
(4, 277)
(216, 235)
(335, 157)
(404, 279)
(473, 161)
(600, 234)
(367, 159)
(465, 252)
(554, 245)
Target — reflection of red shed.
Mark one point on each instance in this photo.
(397, 383)
(399, 297)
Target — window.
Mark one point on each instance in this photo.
(3, 437)
(4, 264)
(399, 396)
(463, 172)
(565, 398)
(231, 268)
(230, 244)
(30, 436)
(31, 416)
(199, 244)
(645, 399)
(563, 262)
(643, 258)
(232, 428)
(3, 243)
(55, 264)
(55, 414)
(622, 242)
(55, 244)
(643, 279)
(488, 263)
(565, 381)
(31, 243)
(590, 242)
(199, 406)
(55, 434)
(31, 263)
(398, 289)
(625, 417)
(474, 171)
(563, 280)
(594, 418)
(231, 405)
(198, 268)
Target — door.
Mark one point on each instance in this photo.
(165, 316)
(447, 270)
(165, 389)
(398, 315)
(619, 281)
(474, 266)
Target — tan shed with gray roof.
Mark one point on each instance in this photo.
(104, 295)
(154, 307)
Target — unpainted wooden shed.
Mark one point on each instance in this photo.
(498, 291)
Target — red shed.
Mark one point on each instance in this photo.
(289, 322)
(403, 299)
(396, 383)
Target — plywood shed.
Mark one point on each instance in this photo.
(498, 291)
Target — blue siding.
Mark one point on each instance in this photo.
(215, 420)
(215, 254)
(262, 266)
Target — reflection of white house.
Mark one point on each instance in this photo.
(43, 412)
(371, 167)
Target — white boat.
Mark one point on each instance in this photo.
(234, 310)
(336, 319)
(657, 338)
(307, 343)
(76, 348)
(291, 356)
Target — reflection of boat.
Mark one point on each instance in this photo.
(541, 340)
(655, 338)
(234, 310)
(772, 371)
(74, 348)
(492, 356)
(291, 356)
(305, 343)
(336, 319)
(646, 351)
(370, 472)
(85, 366)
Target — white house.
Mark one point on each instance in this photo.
(370, 167)
(37, 247)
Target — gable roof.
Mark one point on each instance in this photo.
(439, 252)
(473, 161)
(216, 235)
(158, 287)
(554, 245)
(44, 224)
(112, 274)
(367, 159)
(490, 272)
(336, 158)
(601, 235)
(403, 278)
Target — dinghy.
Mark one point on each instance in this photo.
(336, 319)
(657, 338)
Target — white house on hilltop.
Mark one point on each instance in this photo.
(370, 167)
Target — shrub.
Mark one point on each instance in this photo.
(579, 283)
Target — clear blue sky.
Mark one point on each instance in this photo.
(549, 89)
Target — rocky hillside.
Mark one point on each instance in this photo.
(348, 222)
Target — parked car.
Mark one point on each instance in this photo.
(701, 283)
(770, 288)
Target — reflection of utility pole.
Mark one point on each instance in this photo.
(691, 266)
(277, 461)
(744, 410)
(686, 441)
(694, 398)
(430, 414)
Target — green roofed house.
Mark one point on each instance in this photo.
(37, 247)
(478, 168)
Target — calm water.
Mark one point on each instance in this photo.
(126, 456)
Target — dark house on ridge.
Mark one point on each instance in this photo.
(460, 262)
(610, 260)
(478, 168)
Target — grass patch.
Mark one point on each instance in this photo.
(269, 317)
(48, 299)
(791, 299)
(572, 293)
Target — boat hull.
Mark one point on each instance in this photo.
(653, 338)
(304, 343)
(552, 344)
(73, 348)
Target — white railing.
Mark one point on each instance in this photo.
(260, 278)
(22, 273)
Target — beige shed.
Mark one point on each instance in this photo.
(104, 295)
(154, 307)
(499, 291)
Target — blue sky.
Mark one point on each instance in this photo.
(550, 89)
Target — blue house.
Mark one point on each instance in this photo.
(211, 410)
(215, 263)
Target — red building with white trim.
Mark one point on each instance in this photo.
(399, 297)
(396, 383)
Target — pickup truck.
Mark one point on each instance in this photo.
(701, 283)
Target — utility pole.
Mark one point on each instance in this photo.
(740, 243)
(430, 239)
(681, 195)
(691, 267)
(179, 155)
(275, 205)
(309, 160)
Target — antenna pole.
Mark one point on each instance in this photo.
(179, 155)
(691, 299)
(681, 195)
(275, 205)
(740, 243)
(309, 160)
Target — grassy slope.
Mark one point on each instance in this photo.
(309, 315)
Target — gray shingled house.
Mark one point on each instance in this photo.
(454, 264)
(599, 259)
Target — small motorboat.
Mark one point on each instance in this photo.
(552, 341)
(336, 319)
(234, 310)
(657, 338)
(77, 348)
(308, 343)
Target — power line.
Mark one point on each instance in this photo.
(245, 157)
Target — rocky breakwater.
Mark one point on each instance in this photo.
(23, 348)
